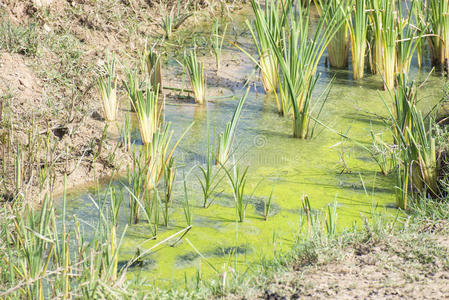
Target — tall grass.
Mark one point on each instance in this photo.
(195, 70)
(389, 54)
(377, 7)
(107, 87)
(438, 19)
(148, 113)
(358, 27)
(217, 40)
(338, 46)
(268, 24)
(237, 180)
(226, 138)
(153, 62)
(298, 58)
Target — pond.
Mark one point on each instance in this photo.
(327, 168)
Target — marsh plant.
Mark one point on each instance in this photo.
(237, 179)
(338, 45)
(226, 138)
(209, 178)
(268, 24)
(298, 58)
(153, 62)
(217, 40)
(438, 19)
(172, 19)
(358, 27)
(169, 181)
(195, 70)
(159, 154)
(146, 105)
(414, 134)
(107, 88)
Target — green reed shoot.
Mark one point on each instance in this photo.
(159, 154)
(153, 62)
(389, 37)
(298, 58)
(358, 27)
(331, 219)
(186, 204)
(107, 87)
(136, 177)
(132, 86)
(267, 206)
(338, 46)
(148, 113)
(377, 7)
(382, 153)
(226, 138)
(237, 180)
(169, 181)
(438, 19)
(217, 40)
(195, 69)
(408, 39)
(268, 24)
(210, 179)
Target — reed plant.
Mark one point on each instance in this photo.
(268, 24)
(237, 180)
(338, 46)
(132, 86)
(169, 181)
(414, 134)
(377, 8)
(107, 88)
(358, 28)
(438, 20)
(298, 58)
(209, 179)
(226, 138)
(389, 38)
(159, 154)
(267, 206)
(153, 62)
(148, 113)
(136, 179)
(217, 41)
(408, 39)
(195, 69)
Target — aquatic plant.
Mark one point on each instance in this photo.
(331, 219)
(153, 62)
(237, 180)
(409, 37)
(438, 20)
(107, 87)
(417, 159)
(377, 7)
(217, 40)
(338, 46)
(136, 178)
(186, 204)
(195, 70)
(268, 24)
(382, 153)
(267, 206)
(171, 20)
(226, 138)
(209, 179)
(389, 37)
(358, 27)
(169, 181)
(148, 113)
(158, 154)
(132, 86)
(298, 58)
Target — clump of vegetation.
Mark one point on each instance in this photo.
(107, 87)
(226, 138)
(358, 27)
(195, 70)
